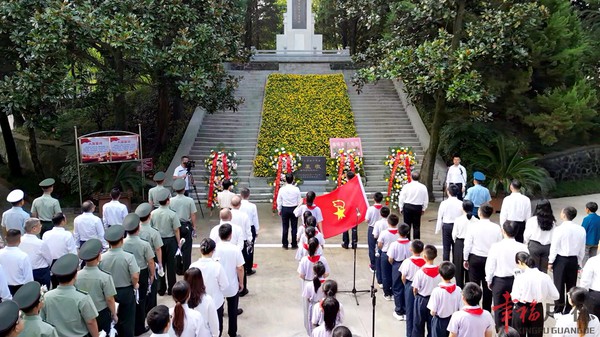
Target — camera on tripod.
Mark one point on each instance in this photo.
(190, 164)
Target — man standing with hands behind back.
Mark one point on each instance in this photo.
(45, 207)
(412, 203)
(457, 175)
(287, 200)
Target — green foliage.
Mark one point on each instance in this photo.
(460, 135)
(576, 187)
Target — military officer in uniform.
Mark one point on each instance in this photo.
(98, 284)
(126, 274)
(144, 256)
(159, 179)
(45, 206)
(167, 222)
(28, 297)
(10, 324)
(150, 234)
(71, 311)
(185, 207)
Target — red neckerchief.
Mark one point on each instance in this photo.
(311, 207)
(314, 259)
(432, 271)
(393, 231)
(305, 245)
(322, 280)
(316, 231)
(403, 241)
(378, 206)
(418, 261)
(449, 287)
(474, 311)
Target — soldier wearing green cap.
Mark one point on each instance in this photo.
(159, 179)
(46, 206)
(98, 284)
(71, 311)
(185, 207)
(126, 274)
(150, 234)
(10, 324)
(144, 256)
(167, 223)
(28, 297)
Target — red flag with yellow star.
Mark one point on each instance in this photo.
(343, 208)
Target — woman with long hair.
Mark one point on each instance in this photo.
(312, 294)
(538, 234)
(186, 322)
(305, 266)
(459, 232)
(201, 301)
(530, 290)
(579, 319)
(331, 308)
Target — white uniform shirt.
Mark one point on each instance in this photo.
(60, 242)
(207, 309)
(501, 259)
(480, 238)
(413, 193)
(444, 302)
(425, 283)
(533, 232)
(17, 266)
(533, 285)
(37, 250)
(457, 174)
(566, 326)
(193, 324)
(224, 198)
(464, 324)
(87, 226)
(590, 275)
(379, 226)
(288, 196)
(305, 266)
(449, 210)
(237, 235)
(373, 214)
(410, 266)
(315, 211)
(515, 207)
(568, 239)
(179, 171)
(230, 257)
(113, 213)
(4, 291)
(462, 225)
(399, 250)
(387, 237)
(241, 219)
(252, 213)
(214, 277)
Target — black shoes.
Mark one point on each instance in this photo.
(240, 311)
(250, 272)
(243, 293)
(345, 245)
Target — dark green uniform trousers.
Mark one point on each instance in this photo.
(126, 312)
(140, 308)
(104, 319)
(46, 226)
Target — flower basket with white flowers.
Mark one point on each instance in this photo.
(221, 164)
(399, 163)
(281, 162)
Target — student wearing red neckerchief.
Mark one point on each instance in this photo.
(444, 301)
(398, 252)
(305, 266)
(310, 206)
(309, 231)
(313, 294)
(379, 226)
(472, 320)
(408, 268)
(371, 218)
(383, 242)
(425, 280)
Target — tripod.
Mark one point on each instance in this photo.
(354, 291)
(193, 184)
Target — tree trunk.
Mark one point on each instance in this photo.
(33, 152)
(177, 105)
(11, 148)
(430, 157)
(119, 102)
(164, 115)
(250, 9)
(18, 120)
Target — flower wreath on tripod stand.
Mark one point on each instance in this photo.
(399, 163)
(343, 161)
(281, 162)
(221, 164)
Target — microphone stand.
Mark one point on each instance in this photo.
(373, 303)
(354, 291)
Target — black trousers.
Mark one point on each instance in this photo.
(246, 258)
(477, 275)
(186, 249)
(288, 219)
(42, 275)
(220, 313)
(13, 289)
(459, 196)
(520, 230)
(462, 276)
(447, 242)
(528, 319)
(439, 326)
(500, 287)
(46, 226)
(232, 309)
(151, 298)
(104, 320)
(169, 249)
(126, 311)
(53, 278)
(539, 253)
(565, 278)
(593, 302)
(346, 236)
(421, 317)
(412, 217)
(248, 265)
(140, 308)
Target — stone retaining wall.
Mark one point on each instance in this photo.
(52, 153)
(573, 164)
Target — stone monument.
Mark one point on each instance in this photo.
(299, 29)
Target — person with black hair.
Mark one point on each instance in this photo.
(478, 194)
(60, 241)
(478, 241)
(471, 320)
(288, 198)
(16, 263)
(371, 217)
(159, 321)
(310, 207)
(517, 208)
(530, 290)
(310, 231)
(538, 233)
(113, 212)
(399, 251)
(413, 202)
(4, 291)
(380, 226)
(566, 256)
(345, 236)
(87, 225)
(331, 308)
(185, 207)
(215, 279)
(457, 175)
(313, 294)
(183, 171)
(201, 301)
(305, 266)
(251, 211)
(341, 331)
(330, 289)
(384, 241)
(186, 322)
(445, 300)
(408, 269)
(425, 280)
(150, 234)
(509, 332)
(224, 197)
(241, 219)
(449, 210)
(591, 224)
(499, 270)
(579, 319)
(459, 232)
(30, 302)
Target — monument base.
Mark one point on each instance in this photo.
(299, 42)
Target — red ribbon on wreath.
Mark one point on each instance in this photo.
(352, 164)
(225, 168)
(407, 165)
(288, 159)
(211, 185)
(277, 182)
(392, 176)
(341, 169)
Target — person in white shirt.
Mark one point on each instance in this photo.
(371, 218)
(578, 322)
(59, 241)
(88, 226)
(408, 269)
(590, 280)
(114, 211)
(186, 322)
(566, 256)
(384, 241)
(457, 175)
(538, 234)
(241, 219)
(159, 321)
(230, 257)
(478, 241)
(425, 280)
(252, 213)
(449, 210)
(459, 232)
(201, 301)
(516, 207)
(37, 250)
(379, 226)
(214, 277)
(224, 197)
(181, 172)
(413, 202)
(288, 198)
(237, 237)
(4, 291)
(471, 320)
(531, 289)
(499, 269)
(445, 300)
(16, 263)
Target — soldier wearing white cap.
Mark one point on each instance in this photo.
(45, 207)
(15, 217)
